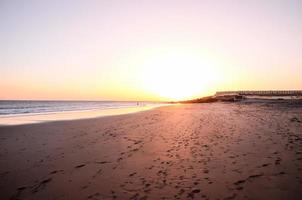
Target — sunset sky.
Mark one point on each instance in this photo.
(147, 50)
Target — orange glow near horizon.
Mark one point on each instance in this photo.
(178, 75)
(157, 51)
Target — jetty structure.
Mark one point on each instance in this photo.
(258, 94)
(252, 95)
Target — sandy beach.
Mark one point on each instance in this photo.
(192, 151)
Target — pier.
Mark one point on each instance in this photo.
(269, 94)
(261, 93)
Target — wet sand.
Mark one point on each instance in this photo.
(193, 151)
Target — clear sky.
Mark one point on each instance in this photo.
(147, 50)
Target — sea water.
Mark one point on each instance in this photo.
(23, 112)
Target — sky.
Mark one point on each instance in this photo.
(147, 50)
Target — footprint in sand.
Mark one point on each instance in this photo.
(80, 166)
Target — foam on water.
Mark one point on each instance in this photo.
(25, 112)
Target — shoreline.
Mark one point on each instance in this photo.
(64, 116)
(35, 118)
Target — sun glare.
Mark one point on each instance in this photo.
(178, 76)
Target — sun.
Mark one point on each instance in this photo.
(178, 76)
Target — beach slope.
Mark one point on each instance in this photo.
(201, 151)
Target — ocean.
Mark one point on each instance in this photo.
(16, 107)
